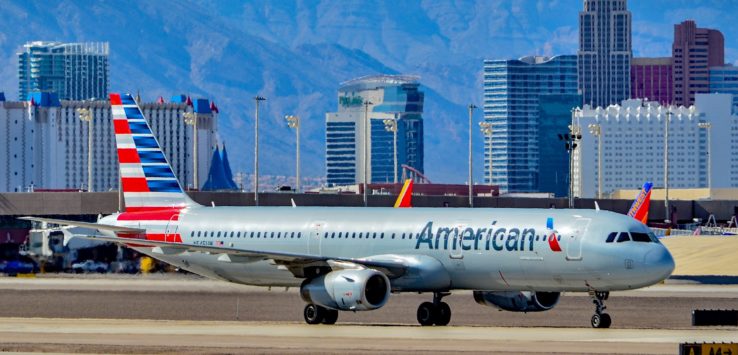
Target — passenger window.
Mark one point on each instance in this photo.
(611, 237)
(640, 237)
(232, 233)
(353, 235)
(272, 236)
(393, 235)
(212, 234)
(624, 237)
(374, 236)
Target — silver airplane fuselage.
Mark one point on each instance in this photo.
(477, 249)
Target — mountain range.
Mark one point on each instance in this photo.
(296, 53)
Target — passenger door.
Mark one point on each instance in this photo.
(316, 232)
(170, 233)
(574, 240)
(455, 251)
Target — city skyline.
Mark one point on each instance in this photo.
(451, 76)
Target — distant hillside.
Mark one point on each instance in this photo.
(297, 52)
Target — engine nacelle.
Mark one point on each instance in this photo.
(348, 290)
(518, 301)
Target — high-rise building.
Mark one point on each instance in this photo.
(724, 80)
(74, 71)
(604, 52)
(511, 98)
(389, 97)
(633, 145)
(554, 111)
(694, 51)
(48, 146)
(651, 78)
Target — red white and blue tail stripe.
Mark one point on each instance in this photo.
(149, 184)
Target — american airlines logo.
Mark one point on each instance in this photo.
(491, 238)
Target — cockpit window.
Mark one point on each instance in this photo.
(640, 237)
(653, 237)
(611, 237)
(623, 237)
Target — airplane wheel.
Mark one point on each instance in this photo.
(601, 320)
(314, 314)
(426, 314)
(331, 316)
(443, 314)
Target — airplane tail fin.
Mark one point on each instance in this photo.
(639, 209)
(405, 198)
(147, 178)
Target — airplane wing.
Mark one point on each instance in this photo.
(295, 262)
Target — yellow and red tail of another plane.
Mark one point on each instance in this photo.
(404, 200)
(639, 209)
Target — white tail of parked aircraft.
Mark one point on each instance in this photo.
(351, 259)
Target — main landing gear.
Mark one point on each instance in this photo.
(600, 319)
(436, 312)
(315, 314)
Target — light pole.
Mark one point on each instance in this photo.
(294, 122)
(570, 139)
(390, 125)
(596, 130)
(471, 108)
(707, 126)
(666, 166)
(191, 119)
(86, 115)
(257, 99)
(366, 151)
(486, 128)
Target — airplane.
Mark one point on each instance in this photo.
(353, 259)
(639, 208)
(404, 199)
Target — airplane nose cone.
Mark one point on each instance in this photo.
(659, 262)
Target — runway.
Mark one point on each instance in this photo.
(189, 315)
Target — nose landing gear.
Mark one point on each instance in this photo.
(436, 312)
(600, 319)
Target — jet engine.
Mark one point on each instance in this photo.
(348, 290)
(518, 301)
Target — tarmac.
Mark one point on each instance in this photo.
(703, 255)
(178, 314)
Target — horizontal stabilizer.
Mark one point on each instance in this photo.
(102, 227)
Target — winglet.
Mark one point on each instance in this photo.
(404, 200)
